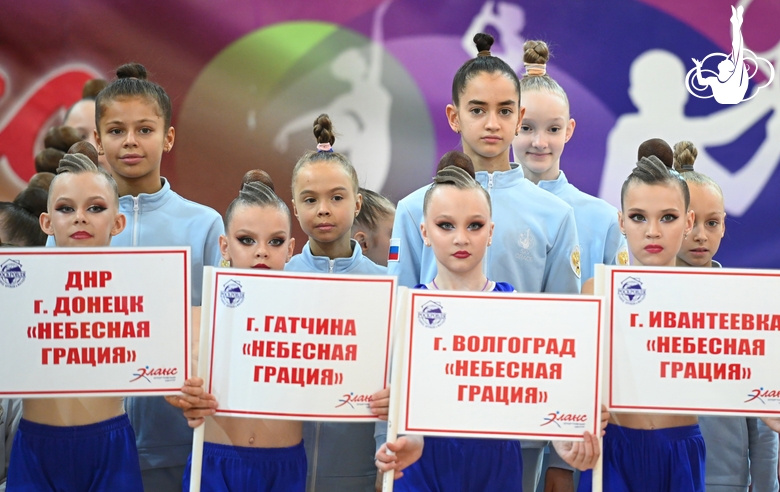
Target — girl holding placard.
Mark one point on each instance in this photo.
(246, 453)
(458, 228)
(742, 451)
(79, 443)
(652, 451)
(326, 201)
(536, 247)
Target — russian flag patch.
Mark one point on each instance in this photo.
(395, 250)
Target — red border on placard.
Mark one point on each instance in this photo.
(597, 409)
(298, 277)
(666, 271)
(123, 251)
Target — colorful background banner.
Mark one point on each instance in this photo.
(247, 79)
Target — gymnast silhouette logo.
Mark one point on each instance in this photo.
(730, 83)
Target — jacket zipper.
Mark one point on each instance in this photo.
(135, 221)
(331, 264)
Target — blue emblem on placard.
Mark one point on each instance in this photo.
(431, 315)
(11, 274)
(232, 295)
(631, 291)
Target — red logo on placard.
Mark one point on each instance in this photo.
(169, 374)
(760, 393)
(566, 418)
(360, 400)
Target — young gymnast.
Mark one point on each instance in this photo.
(652, 452)
(133, 117)
(246, 454)
(535, 247)
(545, 129)
(326, 201)
(77, 443)
(741, 451)
(373, 226)
(457, 226)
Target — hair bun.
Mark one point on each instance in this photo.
(323, 130)
(131, 70)
(92, 88)
(41, 180)
(61, 138)
(536, 52)
(33, 199)
(78, 161)
(483, 41)
(47, 160)
(86, 148)
(685, 154)
(658, 148)
(456, 159)
(255, 176)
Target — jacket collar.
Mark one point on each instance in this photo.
(147, 202)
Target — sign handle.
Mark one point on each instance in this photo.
(599, 288)
(199, 434)
(396, 374)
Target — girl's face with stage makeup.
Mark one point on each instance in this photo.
(458, 228)
(83, 211)
(654, 221)
(257, 237)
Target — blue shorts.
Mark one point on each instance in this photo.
(239, 468)
(94, 457)
(662, 460)
(451, 464)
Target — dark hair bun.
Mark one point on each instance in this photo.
(457, 159)
(323, 130)
(658, 148)
(256, 175)
(47, 160)
(92, 88)
(61, 138)
(483, 41)
(32, 199)
(86, 148)
(536, 52)
(41, 180)
(131, 70)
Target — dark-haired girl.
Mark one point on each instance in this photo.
(535, 247)
(133, 117)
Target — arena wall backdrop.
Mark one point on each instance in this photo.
(247, 78)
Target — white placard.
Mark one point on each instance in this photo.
(94, 321)
(501, 365)
(298, 346)
(693, 340)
